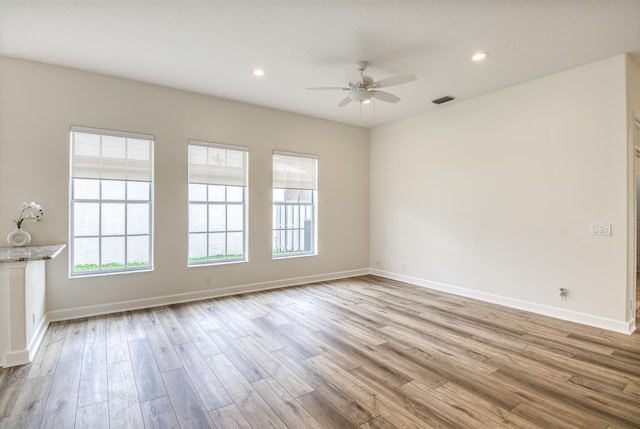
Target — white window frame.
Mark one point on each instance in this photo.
(101, 169)
(290, 180)
(219, 176)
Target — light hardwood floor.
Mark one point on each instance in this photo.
(357, 353)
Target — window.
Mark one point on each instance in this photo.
(217, 203)
(294, 204)
(111, 191)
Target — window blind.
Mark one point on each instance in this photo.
(295, 171)
(111, 155)
(216, 164)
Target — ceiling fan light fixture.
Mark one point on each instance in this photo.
(360, 95)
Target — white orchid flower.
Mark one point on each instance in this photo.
(32, 211)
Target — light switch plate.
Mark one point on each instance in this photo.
(601, 230)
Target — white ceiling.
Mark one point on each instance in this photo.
(212, 46)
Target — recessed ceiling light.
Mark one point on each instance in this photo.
(479, 56)
(258, 72)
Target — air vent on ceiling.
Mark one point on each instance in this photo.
(443, 100)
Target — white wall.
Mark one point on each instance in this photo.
(494, 196)
(5, 325)
(34, 300)
(633, 137)
(39, 103)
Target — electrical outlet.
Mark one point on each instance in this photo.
(33, 318)
(563, 293)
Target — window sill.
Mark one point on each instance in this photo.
(298, 255)
(214, 264)
(108, 273)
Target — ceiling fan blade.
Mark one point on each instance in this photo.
(323, 88)
(344, 102)
(385, 96)
(394, 80)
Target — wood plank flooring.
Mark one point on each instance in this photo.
(363, 353)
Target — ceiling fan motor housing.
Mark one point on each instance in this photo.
(365, 82)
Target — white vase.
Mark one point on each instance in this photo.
(18, 237)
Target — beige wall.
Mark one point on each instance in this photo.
(491, 197)
(494, 197)
(38, 104)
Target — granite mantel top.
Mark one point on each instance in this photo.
(30, 253)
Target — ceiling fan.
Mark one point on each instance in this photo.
(363, 89)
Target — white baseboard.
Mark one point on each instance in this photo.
(18, 357)
(25, 356)
(631, 326)
(558, 313)
(94, 310)
(38, 336)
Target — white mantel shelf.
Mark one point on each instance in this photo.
(23, 319)
(30, 253)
